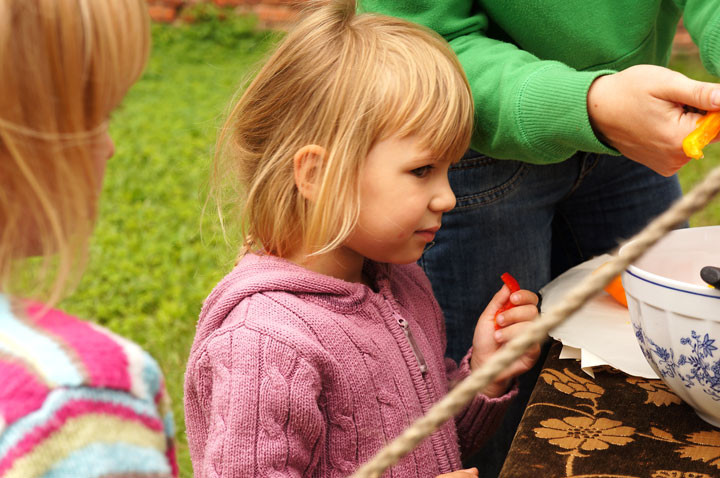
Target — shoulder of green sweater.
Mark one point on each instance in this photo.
(449, 18)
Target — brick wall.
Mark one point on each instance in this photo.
(270, 13)
(683, 44)
(280, 13)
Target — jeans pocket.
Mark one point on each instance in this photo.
(479, 180)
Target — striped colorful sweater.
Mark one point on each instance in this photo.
(78, 401)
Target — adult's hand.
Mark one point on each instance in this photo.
(640, 112)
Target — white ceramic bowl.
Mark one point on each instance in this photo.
(676, 316)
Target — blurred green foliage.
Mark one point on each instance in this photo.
(152, 263)
(151, 267)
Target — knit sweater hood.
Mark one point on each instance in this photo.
(294, 373)
(256, 274)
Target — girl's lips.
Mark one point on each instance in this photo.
(427, 234)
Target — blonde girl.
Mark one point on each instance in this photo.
(325, 341)
(75, 400)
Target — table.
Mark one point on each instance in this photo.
(613, 426)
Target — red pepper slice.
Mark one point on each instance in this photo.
(513, 285)
(510, 282)
(707, 128)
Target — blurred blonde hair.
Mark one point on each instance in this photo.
(343, 81)
(64, 66)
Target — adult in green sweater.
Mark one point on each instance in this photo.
(577, 139)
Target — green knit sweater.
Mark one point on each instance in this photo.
(530, 63)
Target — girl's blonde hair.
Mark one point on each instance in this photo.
(343, 81)
(64, 66)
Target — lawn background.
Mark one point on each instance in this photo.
(154, 255)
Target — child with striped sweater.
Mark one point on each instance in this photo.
(76, 400)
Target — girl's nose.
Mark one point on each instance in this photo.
(444, 199)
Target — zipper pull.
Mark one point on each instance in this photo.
(416, 350)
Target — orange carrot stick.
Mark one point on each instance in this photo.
(615, 288)
(708, 127)
(617, 291)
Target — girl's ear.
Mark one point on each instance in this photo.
(307, 164)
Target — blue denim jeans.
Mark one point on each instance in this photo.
(534, 221)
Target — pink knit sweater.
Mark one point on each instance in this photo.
(293, 373)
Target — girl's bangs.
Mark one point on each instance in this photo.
(435, 105)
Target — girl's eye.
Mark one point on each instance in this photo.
(422, 171)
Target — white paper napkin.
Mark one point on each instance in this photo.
(601, 330)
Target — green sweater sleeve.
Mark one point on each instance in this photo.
(525, 108)
(702, 20)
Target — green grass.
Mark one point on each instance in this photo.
(150, 267)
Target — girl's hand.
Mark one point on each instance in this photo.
(512, 322)
(469, 473)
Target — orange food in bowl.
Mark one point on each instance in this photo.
(616, 291)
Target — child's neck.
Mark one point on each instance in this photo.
(340, 263)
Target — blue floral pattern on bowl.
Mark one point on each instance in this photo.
(696, 368)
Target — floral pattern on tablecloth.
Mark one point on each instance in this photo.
(613, 426)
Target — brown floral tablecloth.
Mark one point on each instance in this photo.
(613, 426)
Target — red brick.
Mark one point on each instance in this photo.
(166, 3)
(275, 15)
(294, 4)
(682, 43)
(161, 13)
(234, 3)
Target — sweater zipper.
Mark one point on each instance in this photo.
(413, 345)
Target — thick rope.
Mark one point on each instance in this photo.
(537, 332)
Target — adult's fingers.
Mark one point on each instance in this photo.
(698, 94)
